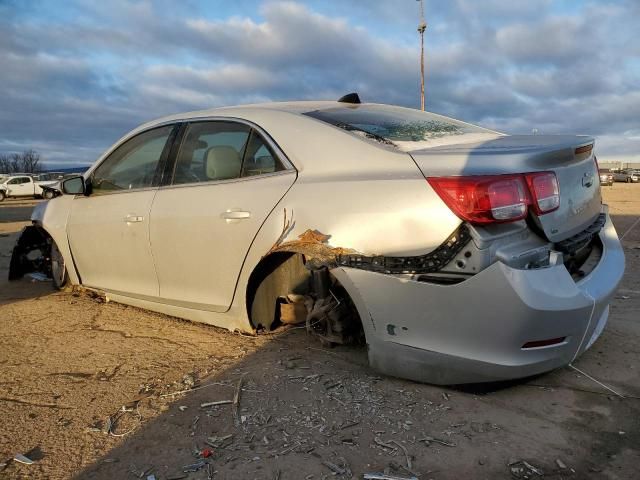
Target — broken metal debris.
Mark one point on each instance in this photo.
(112, 420)
(194, 467)
(560, 464)
(20, 458)
(384, 476)
(523, 469)
(219, 442)
(236, 401)
(334, 468)
(192, 389)
(406, 454)
(428, 440)
(213, 404)
(140, 473)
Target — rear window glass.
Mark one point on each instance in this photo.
(405, 128)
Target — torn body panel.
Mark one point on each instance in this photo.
(477, 330)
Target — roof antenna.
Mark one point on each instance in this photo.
(350, 98)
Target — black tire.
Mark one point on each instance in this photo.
(2, 196)
(58, 268)
(48, 194)
(628, 179)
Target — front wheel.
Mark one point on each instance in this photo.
(58, 269)
(48, 194)
(2, 196)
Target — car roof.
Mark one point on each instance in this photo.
(296, 108)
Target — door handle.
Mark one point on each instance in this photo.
(133, 218)
(235, 215)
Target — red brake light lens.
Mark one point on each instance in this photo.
(544, 190)
(484, 199)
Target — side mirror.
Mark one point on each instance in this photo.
(74, 186)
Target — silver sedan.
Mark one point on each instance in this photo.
(627, 175)
(458, 254)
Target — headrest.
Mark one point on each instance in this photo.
(222, 162)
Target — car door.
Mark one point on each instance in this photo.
(20, 186)
(109, 229)
(227, 178)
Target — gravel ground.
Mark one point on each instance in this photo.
(69, 362)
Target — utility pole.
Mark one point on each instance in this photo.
(421, 28)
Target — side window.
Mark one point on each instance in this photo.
(259, 158)
(133, 164)
(18, 180)
(211, 151)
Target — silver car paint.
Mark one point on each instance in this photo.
(473, 331)
(374, 199)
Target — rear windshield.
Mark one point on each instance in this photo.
(404, 128)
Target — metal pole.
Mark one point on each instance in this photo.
(422, 70)
(421, 28)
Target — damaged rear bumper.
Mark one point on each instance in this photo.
(475, 331)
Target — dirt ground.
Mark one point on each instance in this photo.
(70, 362)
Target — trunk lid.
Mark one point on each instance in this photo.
(569, 156)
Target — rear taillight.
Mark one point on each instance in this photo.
(483, 199)
(543, 187)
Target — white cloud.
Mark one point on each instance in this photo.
(77, 85)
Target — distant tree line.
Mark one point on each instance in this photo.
(25, 162)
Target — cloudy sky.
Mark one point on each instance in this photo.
(75, 75)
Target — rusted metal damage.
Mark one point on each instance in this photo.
(31, 253)
(325, 306)
(314, 245)
(316, 298)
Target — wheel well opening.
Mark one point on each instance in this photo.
(311, 295)
(31, 253)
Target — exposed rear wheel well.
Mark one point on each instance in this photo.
(284, 277)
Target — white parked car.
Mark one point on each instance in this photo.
(459, 254)
(22, 186)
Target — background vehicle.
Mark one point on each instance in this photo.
(458, 253)
(48, 176)
(21, 186)
(627, 175)
(606, 177)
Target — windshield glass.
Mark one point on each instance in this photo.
(405, 128)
